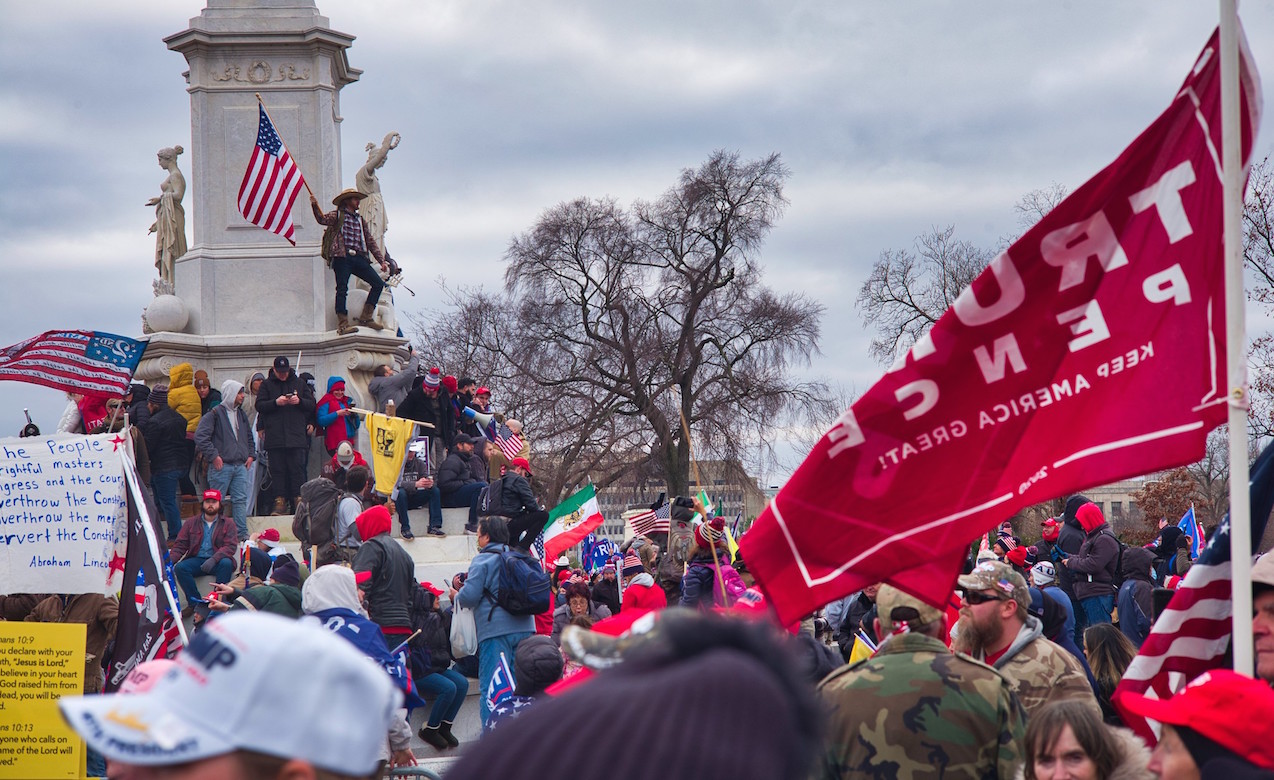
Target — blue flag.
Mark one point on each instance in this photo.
(1193, 531)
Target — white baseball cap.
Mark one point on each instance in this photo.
(339, 703)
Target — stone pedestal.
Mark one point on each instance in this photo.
(249, 294)
(237, 278)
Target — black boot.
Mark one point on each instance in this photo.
(433, 737)
(445, 731)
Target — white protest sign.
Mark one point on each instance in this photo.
(62, 509)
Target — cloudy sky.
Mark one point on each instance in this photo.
(892, 116)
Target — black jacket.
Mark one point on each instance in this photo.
(390, 590)
(454, 473)
(165, 434)
(607, 592)
(516, 496)
(284, 425)
(1070, 539)
(435, 411)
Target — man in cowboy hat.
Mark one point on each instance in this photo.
(347, 244)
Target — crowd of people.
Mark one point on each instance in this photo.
(1015, 677)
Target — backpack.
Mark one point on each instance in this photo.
(523, 586)
(1117, 576)
(734, 586)
(329, 237)
(316, 525)
(491, 499)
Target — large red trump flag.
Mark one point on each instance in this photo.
(1092, 349)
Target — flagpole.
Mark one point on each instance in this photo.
(1236, 341)
(304, 181)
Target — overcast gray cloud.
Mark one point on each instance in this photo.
(893, 117)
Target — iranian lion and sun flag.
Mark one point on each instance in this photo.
(1092, 349)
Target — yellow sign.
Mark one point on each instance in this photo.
(390, 437)
(39, 663)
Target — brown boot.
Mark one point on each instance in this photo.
(280, 507)
(368, 318)
(342, 325)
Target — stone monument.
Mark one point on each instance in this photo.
(248, 293)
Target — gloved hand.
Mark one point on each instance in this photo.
(208, 566)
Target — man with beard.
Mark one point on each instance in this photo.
(996, 628)
(890, 715)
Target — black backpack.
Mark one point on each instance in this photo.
(316, 525)
(523, 586)
(491, 499)
(1117, 576)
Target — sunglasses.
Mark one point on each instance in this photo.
(972, 597)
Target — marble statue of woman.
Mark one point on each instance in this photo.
(170, 217)
(373, 206)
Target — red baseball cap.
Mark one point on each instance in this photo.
(521, 463)
(482, 391)
(429, 586)
(215, 495)
(1228, 708)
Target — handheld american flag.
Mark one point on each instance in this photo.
(652, 521)
(509, 442)
(271, 183)
(1193, 633)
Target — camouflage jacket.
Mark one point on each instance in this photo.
(1042, 671)
(916, 710)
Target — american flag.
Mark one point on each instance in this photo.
(1193, 633)
(652, 521)
(271, 183)
(509, 442)
(74, 361)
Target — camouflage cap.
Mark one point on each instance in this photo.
(1000, 578)
(894, 607)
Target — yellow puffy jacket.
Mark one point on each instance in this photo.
(183, 396)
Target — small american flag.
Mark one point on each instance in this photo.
(652, 521)
(271, 183)
(509, 442)
(74, 361)
(1191, 636)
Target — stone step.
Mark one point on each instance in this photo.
(438, 558)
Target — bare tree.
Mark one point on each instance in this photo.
(907, 291)
(1212, 479)
(616, 324)
(1036, 204)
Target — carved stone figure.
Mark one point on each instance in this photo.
(170, 217)
(373, 206)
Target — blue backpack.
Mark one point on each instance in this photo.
(523, 586)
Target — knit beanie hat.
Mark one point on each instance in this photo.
(451, 384)
(537, 664)
(710, 533)
(632, 564)
(433, 378)
(1043, 574)
(158, 395)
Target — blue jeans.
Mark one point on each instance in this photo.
(466, 496)
(489, 651)
(190, 568)
(416, 500)
(1097, 609)
(450, 687)
(164, 483)
(360, 266)
(232, 481)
